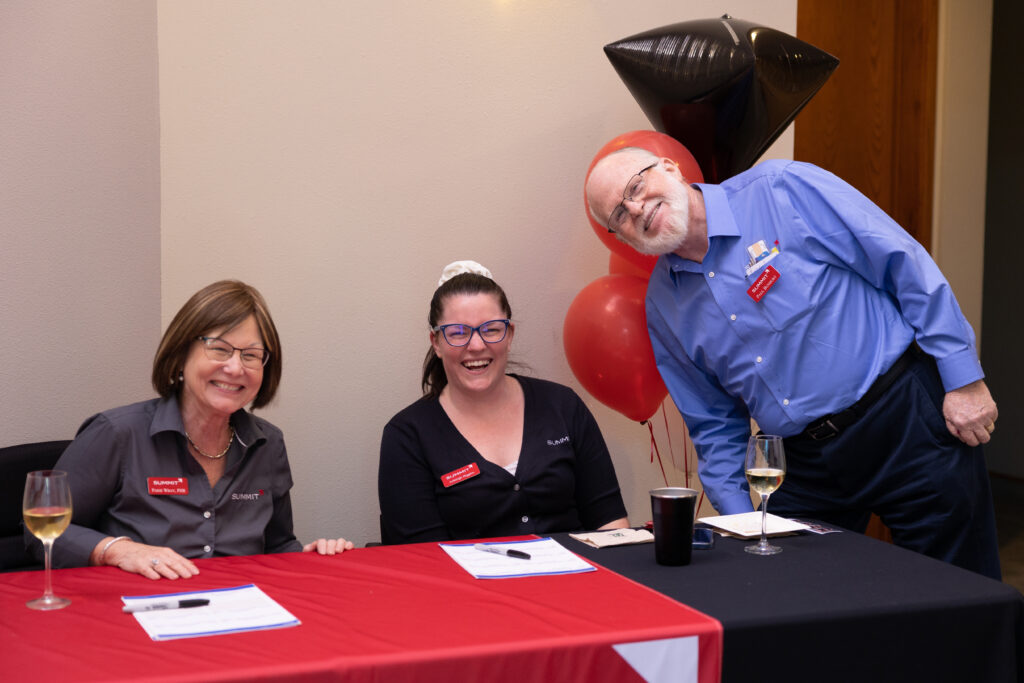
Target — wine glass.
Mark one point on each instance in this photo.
(47, 511)
(765, 466)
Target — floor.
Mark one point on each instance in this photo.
(1009, 500)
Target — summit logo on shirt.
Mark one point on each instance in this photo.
(558, 442)
(248, 496)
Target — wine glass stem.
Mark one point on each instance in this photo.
(764, 520)
(48, 551)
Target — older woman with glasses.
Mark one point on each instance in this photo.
(484, 453)
(192, 473)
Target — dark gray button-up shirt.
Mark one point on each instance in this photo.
(131, 475)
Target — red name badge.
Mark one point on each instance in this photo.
(763, 283)
(168, 486)
(462, 474)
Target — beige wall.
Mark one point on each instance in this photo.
(337, 155)
(79, 211)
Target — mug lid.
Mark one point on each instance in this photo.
(673, 492)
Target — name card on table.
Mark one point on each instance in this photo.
(547, 557)
(230, 610)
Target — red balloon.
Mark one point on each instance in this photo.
(657, 143)
(620, 266)
(606, 344)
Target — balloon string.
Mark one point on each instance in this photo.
(668, 434)
(687, 451)
(686, 455)
(654, 450)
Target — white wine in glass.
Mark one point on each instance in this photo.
(765, 466)
(47, 511)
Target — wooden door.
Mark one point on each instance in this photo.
(873, 122)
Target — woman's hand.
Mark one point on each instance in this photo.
(151, 561)
(328, 546)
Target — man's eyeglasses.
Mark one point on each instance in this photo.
(457, 334)
(634, 188)
(219, 350)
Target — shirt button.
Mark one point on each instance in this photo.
(785, 401)
(206, 548)
(206, 514)
(759, 359)
(516, 487)
(525, 519)
(732, 317)
(711, 274)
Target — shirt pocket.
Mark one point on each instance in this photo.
(790, 298)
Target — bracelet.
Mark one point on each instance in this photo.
(103, 553)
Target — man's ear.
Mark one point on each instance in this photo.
(672, 168)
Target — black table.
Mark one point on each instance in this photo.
(839, 607)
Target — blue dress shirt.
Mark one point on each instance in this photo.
(853, 291)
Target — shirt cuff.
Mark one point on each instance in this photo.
(75, 546)
(735, 504)
(960, 369)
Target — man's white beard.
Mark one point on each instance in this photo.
(676, 226)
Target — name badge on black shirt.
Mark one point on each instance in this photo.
(463, 473)
(168, 486)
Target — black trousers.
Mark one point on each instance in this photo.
(900, 462)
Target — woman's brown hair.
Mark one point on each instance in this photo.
(222, 305)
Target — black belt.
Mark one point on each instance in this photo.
(832, 425)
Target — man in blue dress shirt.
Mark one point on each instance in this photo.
(786, 296)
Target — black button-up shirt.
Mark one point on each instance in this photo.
(434, 486)
(131, 475)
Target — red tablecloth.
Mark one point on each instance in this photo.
(398, 613)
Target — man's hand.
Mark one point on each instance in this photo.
(970, 413)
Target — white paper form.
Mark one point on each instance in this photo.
(231, 610)
(547, 557)
(748, 524)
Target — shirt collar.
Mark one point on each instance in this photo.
(167, 418)
(720, 222)
(719, 216)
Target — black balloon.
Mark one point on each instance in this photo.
(724, 88)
